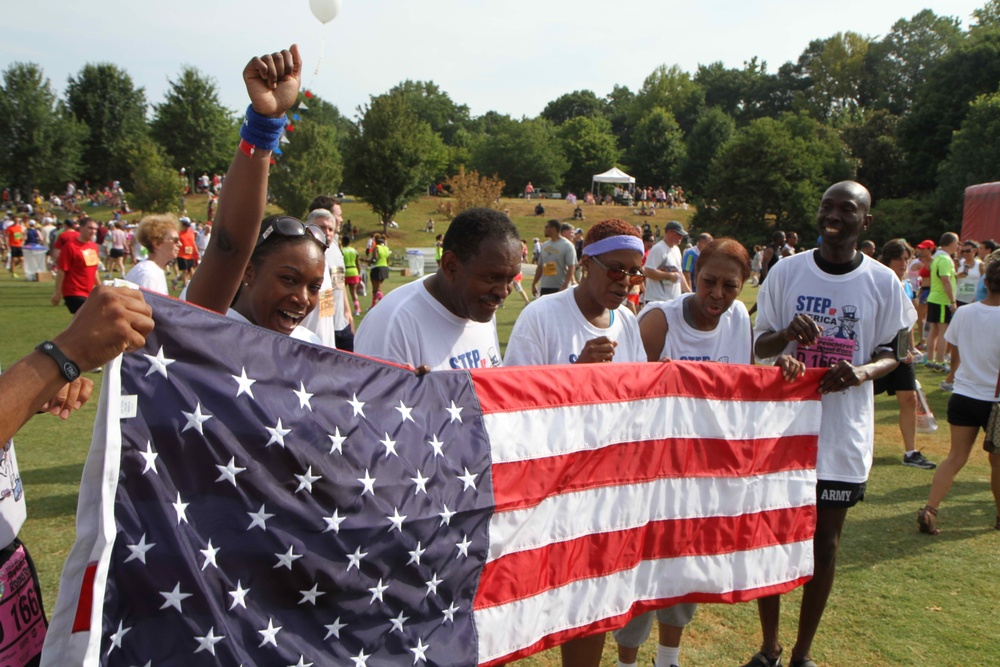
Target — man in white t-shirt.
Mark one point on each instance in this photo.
(832, 308)
(447, 320)
(665, 281)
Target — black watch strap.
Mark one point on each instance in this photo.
(69, 370)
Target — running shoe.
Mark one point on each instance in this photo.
(917, 460)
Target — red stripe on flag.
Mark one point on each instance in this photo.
(615, 622)
(81, 622)
(526, 483)
(513, 389)
(524, 574)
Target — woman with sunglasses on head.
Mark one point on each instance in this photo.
(160, 236)
(709, 324)
(271, 274)
(588, 323)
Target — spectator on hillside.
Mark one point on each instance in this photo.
(539, 209)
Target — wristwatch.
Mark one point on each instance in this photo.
(67, 368)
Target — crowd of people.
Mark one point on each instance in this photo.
(615, 293)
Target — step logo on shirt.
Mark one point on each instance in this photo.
(474, 359)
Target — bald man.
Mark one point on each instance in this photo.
(838, 309)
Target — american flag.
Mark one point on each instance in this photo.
(253, 500)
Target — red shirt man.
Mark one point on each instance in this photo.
(77, 268)
(15, 241)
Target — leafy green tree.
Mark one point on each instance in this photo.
(987, 16)
(589, 147)
(619, 102)
(772, 174)
(433, 106)
(391, 156)
(897, 65)
(309, 165)
(518, 151)
(155, 185)
(835, 68)
(41, 140)
(714, 128)
(572, 105)
(197, 132)
(974, 154)
(103, 97)
(872, 142)
(657, 149)
(672, 89)
(967, 71)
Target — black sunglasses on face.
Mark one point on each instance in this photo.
(617, 275)
(286, 226)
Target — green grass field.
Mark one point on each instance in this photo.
(901, 598)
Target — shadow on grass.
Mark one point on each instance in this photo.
(53, 506)
(67, 474)
(893, 536)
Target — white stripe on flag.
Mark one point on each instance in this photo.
(572, 515)
(584, 602)
(515, 436)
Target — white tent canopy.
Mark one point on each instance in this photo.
(613, 175)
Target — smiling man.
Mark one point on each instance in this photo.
(838, 309)
(446, 321)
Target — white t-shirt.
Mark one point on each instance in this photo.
(553, 331)
(979, 354)
(728, 343)
(858, 312)
(966, 289)
(298, 333)
(409, 326)
(664, 258)
(328, 317)
(12, 508)
(147, 274)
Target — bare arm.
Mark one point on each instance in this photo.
(272, 83)
(111, 321)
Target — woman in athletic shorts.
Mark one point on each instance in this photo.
(902, 382)
(709, 324)
(380, 267)
(977, 356)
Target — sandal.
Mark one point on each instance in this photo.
(927, 520)
(761, 659)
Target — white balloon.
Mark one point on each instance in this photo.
(325, 10)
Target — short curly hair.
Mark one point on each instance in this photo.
(153, 229)
(608, 228)
(729, 248)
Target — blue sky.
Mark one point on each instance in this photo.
(512, 57)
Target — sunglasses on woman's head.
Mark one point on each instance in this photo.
(287, 226)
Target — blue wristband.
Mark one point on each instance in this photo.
(260, 131)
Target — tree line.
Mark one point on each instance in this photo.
(914, 115)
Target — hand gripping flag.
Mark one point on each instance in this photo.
(250, 499)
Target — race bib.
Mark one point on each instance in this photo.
(826, 352)
(22, 623)
(188, 250)
(550, 269)
(326, 303)
(90, 257)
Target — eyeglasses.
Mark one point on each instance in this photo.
(617, 275)
(965, 250)
(286, 226)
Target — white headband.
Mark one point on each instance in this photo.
(621, 242)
